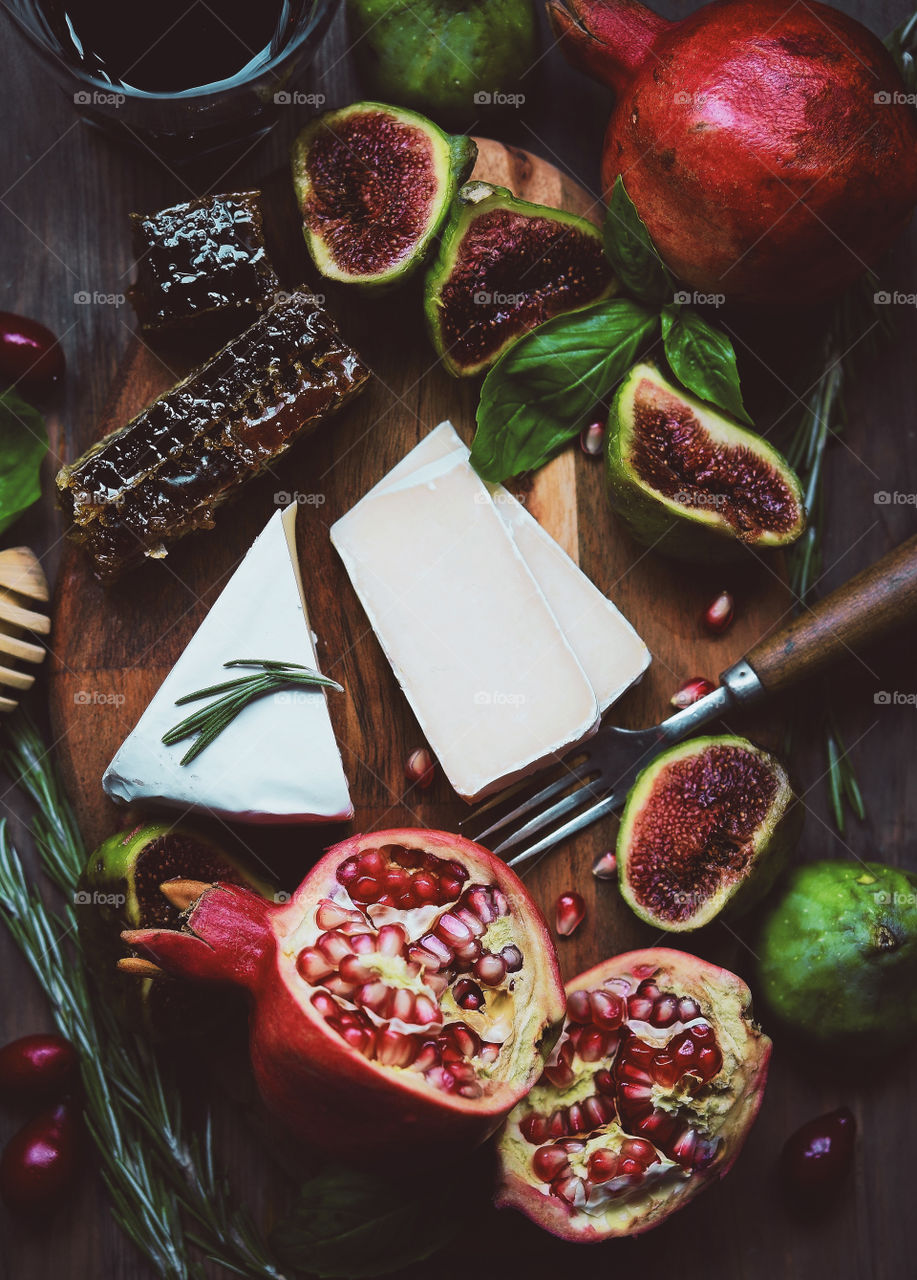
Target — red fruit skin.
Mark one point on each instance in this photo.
(816, 1159)
(39, 1162)
(35, 1067)
(324, 1092)
(514, 1192)
(750, 141)
(30, 355)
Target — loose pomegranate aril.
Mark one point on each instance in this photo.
(569, 912)
(420, 768)
(549, 1162)
(31, 358)
(468, 995)
(690, 692)
(719, 613)
(592, 439)
(36, 1067)
(607, 867)
(816, 1159)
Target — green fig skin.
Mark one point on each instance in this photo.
(773, 842)
(454, 61)
(454, 157)
(117, 892)
(674, 529)
(837, 957)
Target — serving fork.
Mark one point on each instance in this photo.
(595, 778)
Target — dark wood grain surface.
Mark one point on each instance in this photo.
(65, 193)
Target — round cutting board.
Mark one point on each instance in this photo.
(113, 646)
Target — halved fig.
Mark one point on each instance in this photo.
(689, 481)
(404, 998)
(374, 184)
(504, 266)
(119, 889)
(647, 1097)
(708, 825)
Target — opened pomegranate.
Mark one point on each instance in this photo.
(404, 997)
(770, 148)
(648, 1096)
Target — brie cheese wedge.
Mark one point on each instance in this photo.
(277, 761)
(492, 678)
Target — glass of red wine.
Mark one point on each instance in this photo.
(184, 78)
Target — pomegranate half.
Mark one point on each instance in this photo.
(648, 1096)
(770, 147)
(405, 996)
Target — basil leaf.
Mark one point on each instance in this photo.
(23, 444)
(632, 253)
(350, 1223)
(542, 389)
(703, 360)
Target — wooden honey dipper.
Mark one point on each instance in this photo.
(21, 579)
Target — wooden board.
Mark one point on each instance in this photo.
(113, 647)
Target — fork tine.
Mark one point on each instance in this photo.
(584, 819)
(577, 774)
(582, 795)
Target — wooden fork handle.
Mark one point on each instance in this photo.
(869, 606)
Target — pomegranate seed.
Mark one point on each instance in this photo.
(331, 915)
(640, 1008)
(719, 613)
(603, 1165)
(688, 1010)
(579, 1008)
(468, 995)
(709, 1060)
(683, 1148)
(608, 1010)
(512, 958)
(637, 1149)
(490, 969)
(367, 890)
(471, 922)
(592, 439)
(594, 1111)
(604, 1081)
(549, 1162)
(690, 692)
(573, 1190)
(312, 965)
(394, 1049)
(576, 1122)
(592, 1046)
(425, 1011)
(349, 870)
(334, 945)
(354, 971)
(816, 1159)
(424, 887)
(534, 1128)
(452, 931)
(607, 867)
(420, 768)
(557, 1124)
(569, 912)
(392, 939)
(665, 1011)
(560, 1074)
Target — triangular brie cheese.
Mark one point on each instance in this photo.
(278, 761)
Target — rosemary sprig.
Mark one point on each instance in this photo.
(233, 696)
(165, 1191)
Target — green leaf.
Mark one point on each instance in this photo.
(542, 389)
(632, 253)
(351, 1224)
(703, 360)
(23, 444)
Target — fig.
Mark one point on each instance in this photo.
(403, 1000)
(837, 957)
(374, 184)
(119, 890)
(692, 483)
(770, 149)
(707, 825)
(455, 62)
(504, 266)
(646, 1098)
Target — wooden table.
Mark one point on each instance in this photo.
(64, 196)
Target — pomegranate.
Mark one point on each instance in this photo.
(35, 1067)
(816, 1159)
(691, 691)
(719, 613)
(39, 1162)
(404, 997)
(769, 148)
(647, 1097)
(569, 912)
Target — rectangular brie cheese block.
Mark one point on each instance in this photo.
(484, 663)
(609, 649)
(278, 761)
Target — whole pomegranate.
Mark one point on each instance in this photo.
(404, 998)
(648, 1096)
(769, 147)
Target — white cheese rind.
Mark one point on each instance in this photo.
(486, 667)
(278, 761)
